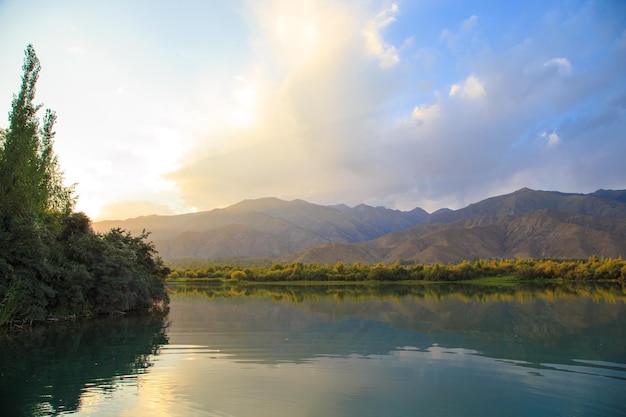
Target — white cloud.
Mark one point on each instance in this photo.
(322, 132)
(471, 88)
(551, 139)
(562, 65)
(387, 54)
(424, 113)
(313, 106)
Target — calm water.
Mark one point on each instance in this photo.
(449, 351)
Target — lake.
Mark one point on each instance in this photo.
(453, 350)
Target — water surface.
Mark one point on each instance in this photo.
(355, 351)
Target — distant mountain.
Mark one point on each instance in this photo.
(525, 223)
(525, 201)
(386, 220)
(619, 195)
(266, 227)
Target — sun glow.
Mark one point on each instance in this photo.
(244, 112)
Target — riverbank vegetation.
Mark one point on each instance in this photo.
(591, 269)
(51, 261)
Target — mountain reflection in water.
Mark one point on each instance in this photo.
(330, 350)
(531, 325)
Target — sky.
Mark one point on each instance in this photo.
(174, 107)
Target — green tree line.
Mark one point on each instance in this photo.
(51, 261)
(591, 269)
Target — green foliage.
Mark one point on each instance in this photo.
(31, 182)
(130, 277)
(238, 275)
(592, 269)
(51, 261)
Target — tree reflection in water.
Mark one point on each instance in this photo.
(236, 331)
(44, 369)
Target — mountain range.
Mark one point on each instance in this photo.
(526, 223)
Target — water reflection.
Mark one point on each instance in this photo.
(333, 351)
(480, 352)
(48, 369)
(527, 324)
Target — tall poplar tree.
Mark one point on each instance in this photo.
(31, 183)
(31, 195)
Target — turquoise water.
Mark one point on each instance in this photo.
(455, 354)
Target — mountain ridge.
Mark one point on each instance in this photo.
(524, 223)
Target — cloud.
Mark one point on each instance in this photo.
(471, 88)
(333, 123)
(319, 93)
(331, 101)
(425, 112)
(386, 53)
(488, 146)
(552, 139)
(562, 65)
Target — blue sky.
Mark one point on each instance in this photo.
(172, 107)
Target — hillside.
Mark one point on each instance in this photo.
(386, 220)
(602, 203)
(525, 223)
(266, 227)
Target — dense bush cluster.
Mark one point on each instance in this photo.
(592, 269)
(51, 261)
(64, 268)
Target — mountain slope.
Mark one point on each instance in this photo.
(541, 234)
(525, 201)
(527, 223)
(385, 219)
(266, 227)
